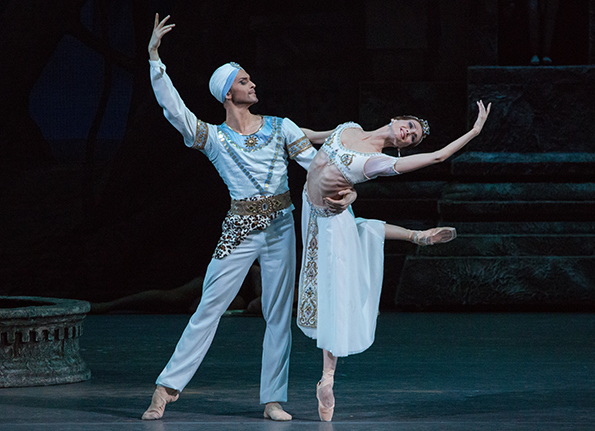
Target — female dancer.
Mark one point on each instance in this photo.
(342, 264)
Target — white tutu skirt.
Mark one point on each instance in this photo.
(340, 279)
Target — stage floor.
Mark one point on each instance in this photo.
(435, 371)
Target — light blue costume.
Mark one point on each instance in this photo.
(259, 227)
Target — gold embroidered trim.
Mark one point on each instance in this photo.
(346, 159)
(298, 146)
(202, 134)
(308, 305)
(252, 145)
(262, 206)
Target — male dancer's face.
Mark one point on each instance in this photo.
(243, 90)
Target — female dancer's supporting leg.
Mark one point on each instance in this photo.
(324, 388)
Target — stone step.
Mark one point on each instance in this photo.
(513, 245)
(501, 167)
(519, 192)
(397, 200)
(396, 190)
(523, 228)
(519, 244)
(518, 201)
(493, 283)
(454, 201)
(515, 210)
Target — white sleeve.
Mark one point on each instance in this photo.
(298, 145)
(174, 108)
(383, 165)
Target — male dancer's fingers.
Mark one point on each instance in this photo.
(162, 23)
(333, 206)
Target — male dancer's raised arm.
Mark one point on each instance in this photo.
(167, 96)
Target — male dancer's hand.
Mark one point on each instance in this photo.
(159, 29)
(340, 205)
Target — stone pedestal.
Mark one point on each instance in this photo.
(521, 195)
(39, 341)
(535, 109)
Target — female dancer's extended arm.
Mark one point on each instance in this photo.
(418, 161)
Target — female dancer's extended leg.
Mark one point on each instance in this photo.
(437, 235)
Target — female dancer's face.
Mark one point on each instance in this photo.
(406, 132)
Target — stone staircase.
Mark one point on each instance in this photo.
(521, 245)
(525, 220)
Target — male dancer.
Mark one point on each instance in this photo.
(250, 154)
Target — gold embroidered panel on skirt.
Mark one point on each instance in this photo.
(308, 305)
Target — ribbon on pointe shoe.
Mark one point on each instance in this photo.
(161, 397)
(325, 412)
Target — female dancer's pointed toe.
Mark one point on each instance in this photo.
(325, 412)
(437, 235)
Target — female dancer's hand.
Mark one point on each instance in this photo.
(159, 29)
(338, 206)
(482, 116)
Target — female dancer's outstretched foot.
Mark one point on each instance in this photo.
(326, 398)
(161, 397)
(275, 412)
(438, 235)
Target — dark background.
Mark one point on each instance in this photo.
(99, 196)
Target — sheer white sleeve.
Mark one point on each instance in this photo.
(380, 166)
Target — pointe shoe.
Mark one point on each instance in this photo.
(275, 412)
(161, 397)
(325, 413)
(438, 235)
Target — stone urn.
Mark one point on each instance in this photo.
(39, 341)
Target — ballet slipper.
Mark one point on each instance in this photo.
(325, 413)
(438, 235)
(161, 397)
(275, 412)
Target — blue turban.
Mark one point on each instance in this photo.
(222, 79)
